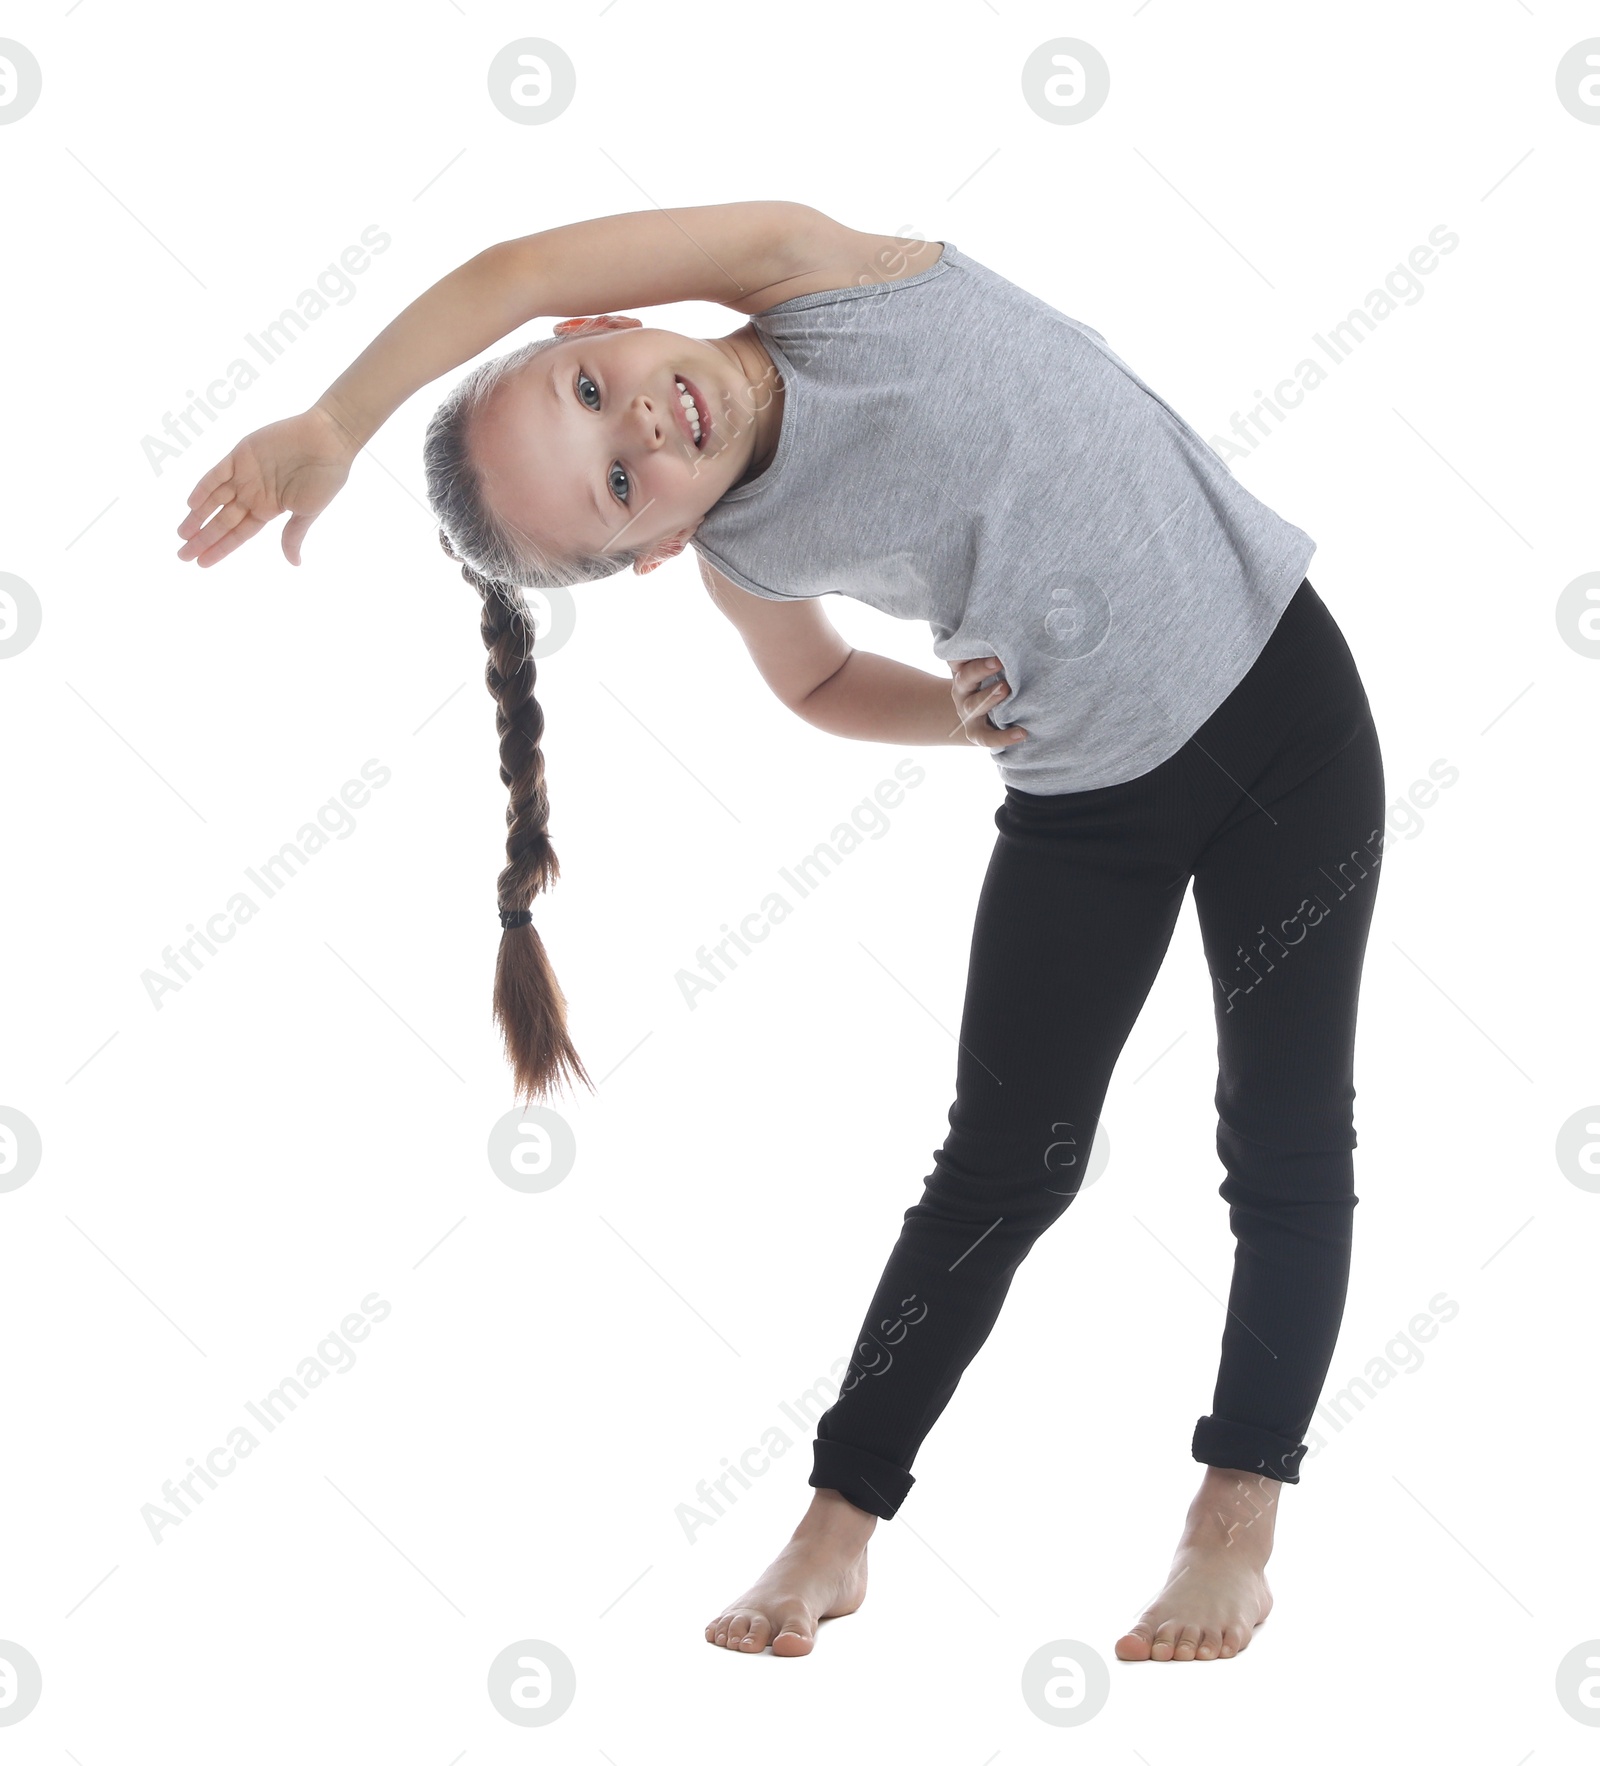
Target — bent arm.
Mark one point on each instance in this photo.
(730, 252)
(876, 699)
(846, 692)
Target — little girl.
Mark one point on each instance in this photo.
(900, 424)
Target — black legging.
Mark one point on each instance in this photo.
(1275, 809)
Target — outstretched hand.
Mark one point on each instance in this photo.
(298, 465)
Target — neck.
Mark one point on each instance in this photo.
(760, 399)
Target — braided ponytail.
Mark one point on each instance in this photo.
(495, 556)
(528, 1002)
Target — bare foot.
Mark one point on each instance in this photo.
(1217, 1591)
(820, 1574)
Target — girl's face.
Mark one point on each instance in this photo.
(588, 447)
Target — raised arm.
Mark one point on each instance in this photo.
(737, 254)
(731, 253)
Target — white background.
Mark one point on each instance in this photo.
(305, 1122)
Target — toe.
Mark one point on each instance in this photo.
(795, 1634)
(1206, 1649)
(757, 1637)
(1166, 1635)
(737, 1627)
(1134, 1644)
(1183, 1649)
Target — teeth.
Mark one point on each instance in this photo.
(689, 407)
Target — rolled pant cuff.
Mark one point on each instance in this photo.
(1218, 1442)
(874, 1484)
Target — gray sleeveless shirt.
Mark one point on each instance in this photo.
(955, 449)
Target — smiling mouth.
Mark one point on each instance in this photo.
(698, 425)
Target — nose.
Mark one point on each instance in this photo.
(652, 419)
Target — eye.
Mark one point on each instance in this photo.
(617, 480)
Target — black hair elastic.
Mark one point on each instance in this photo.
(516, 917)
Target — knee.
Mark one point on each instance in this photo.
(1300, 1172)
(1295, 1205)
(1011, 1192)
(1267, 1143)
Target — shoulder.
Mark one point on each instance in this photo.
(735, 599)
(824, 255)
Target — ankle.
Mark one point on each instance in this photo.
(833, 1519)
(1235, 1508)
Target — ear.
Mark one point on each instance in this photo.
(595, 322)
(659, 554)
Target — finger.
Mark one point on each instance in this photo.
(293, 533)
(218, 527)
(976, 704)
(222, 522)
(201, 507)
(972, 671)
(994, 735)
(231, 543)
(213, 480)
